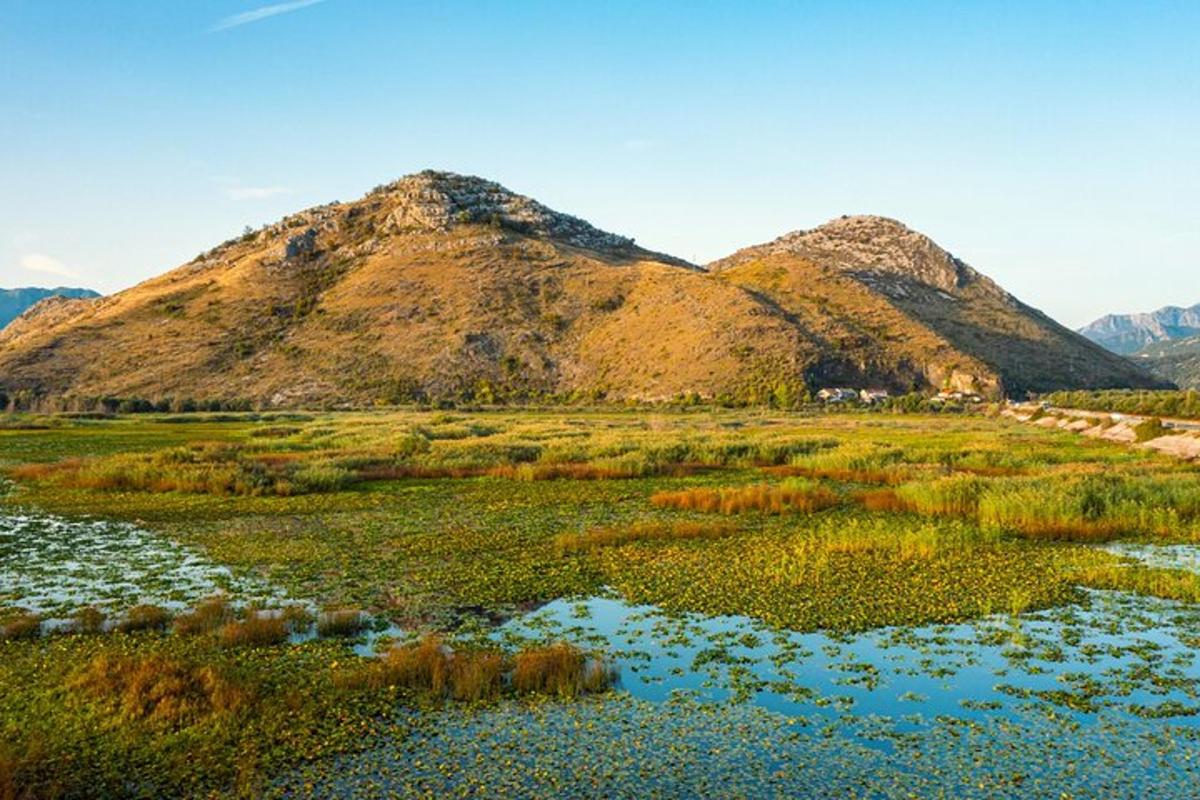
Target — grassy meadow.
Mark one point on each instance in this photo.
(436, 526)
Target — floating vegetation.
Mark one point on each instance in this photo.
(54, 566)
(612, 536)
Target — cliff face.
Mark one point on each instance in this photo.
(440, 285)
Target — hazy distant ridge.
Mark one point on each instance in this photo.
(14, 302)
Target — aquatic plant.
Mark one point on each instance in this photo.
(642, 531)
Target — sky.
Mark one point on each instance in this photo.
(1053, 146)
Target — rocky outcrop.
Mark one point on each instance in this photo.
(876, 248)
(438, 201)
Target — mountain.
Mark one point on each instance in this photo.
(14, 302)
(1129, 333)
(1177, 360)
(440, 286)
(886, 303)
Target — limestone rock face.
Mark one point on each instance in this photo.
(437, 201)
(870, 245)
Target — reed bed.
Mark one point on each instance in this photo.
(434, 670)
(1072, 507)
(777, 499)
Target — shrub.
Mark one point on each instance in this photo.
(1149, 429)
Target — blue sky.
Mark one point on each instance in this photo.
(1054, 146)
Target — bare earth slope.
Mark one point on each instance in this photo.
(444, 286)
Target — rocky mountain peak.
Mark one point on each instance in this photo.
(879, 245)
(438, 201)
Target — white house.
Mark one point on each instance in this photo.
(837, 395)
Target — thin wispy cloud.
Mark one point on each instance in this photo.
(261, 13)
(40, 262)
(255, 192)
(233, 188)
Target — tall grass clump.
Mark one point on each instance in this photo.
(957, 495)
(22, 627)
(144, 618)
(430, 668)
(1169, 584)
(1085, 508)
(341, 622)
(559, 669)
(777, 499)
(256, 630)
(206, 617)
(870, 464)
(88, 620)
(160, 690)
(201, 468)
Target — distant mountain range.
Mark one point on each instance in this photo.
(1129, 333)
(1166, 341)
(14, 302)
(443, 286)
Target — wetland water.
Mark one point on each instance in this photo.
(1097, 699)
